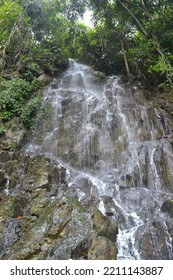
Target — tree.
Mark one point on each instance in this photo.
(13, 31)
(147, 15)
(37, 26)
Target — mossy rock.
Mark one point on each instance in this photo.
(104, 226)
(12, 139)
(76, 204)
(44, 79)
(159, 134)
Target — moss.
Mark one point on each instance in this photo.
(7, 206)
(159, 134)
(94, 146)
(76, 204)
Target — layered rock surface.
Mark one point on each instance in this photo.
(39, 220)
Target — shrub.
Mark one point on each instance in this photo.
(2, 130)
(30, 111)
(13, 96)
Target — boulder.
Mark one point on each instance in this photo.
(44, 79)
(102, 249)
(12, 139)
(104, 226)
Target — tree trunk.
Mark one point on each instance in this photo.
(125, 58)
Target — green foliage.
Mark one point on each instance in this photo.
(14, 32)
(9, 14)
(13, 96)
(29, 112)
(49, 58)
(164, 86)
(160, 66)
(34, 30)
(14, 126)
(6, 116)
(93, 46)
(2, 130)
(46, 112)
(35, 85)
(30, 69)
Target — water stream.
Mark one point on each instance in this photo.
(106, 136)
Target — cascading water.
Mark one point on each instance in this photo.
(106, 136)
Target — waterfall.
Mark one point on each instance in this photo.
(106, 136)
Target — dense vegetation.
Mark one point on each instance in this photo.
(132, 37)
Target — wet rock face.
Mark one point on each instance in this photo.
(3, 180)
(167, 207)
(100, 146)
(156, 242)
(39, 220)
(12, 235)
